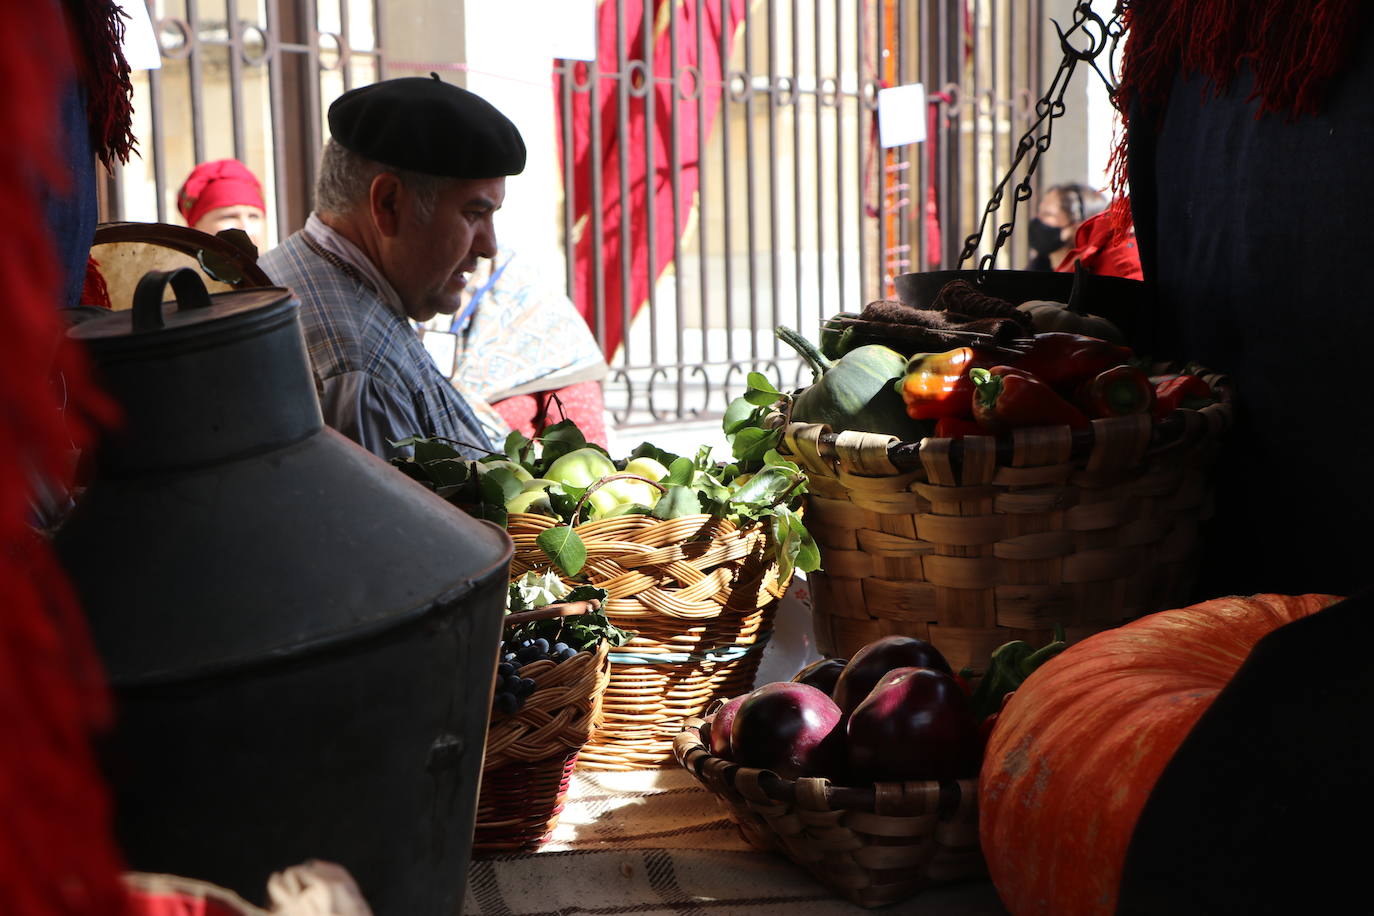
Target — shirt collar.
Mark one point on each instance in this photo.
(334, 243)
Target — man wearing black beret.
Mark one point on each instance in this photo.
(409, 182)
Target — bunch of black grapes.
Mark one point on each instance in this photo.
(516, 652)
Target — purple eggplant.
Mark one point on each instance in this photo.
(718, 737)
(879, 657)
(821, 674)
(915, 724)
(790, 729)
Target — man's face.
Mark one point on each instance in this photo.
(430, 260)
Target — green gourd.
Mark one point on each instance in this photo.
(854, 392)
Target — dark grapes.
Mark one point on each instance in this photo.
(511, 688)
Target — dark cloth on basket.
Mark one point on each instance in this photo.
(1264, 807)
(953, 321)
(1252, 229)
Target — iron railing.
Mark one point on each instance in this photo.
(798, 215)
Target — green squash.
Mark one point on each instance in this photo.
(855, 392)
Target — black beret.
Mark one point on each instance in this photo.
(428, 126)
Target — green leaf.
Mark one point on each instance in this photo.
(762, 398)
(757, 381)
(586, 593)
(563, 548)
(680, 473)
(808, 558)
(739, 414)
(774, 459)
(564, 499)
(518, 448)
(427, 450)
(677, 502)
(785, 544)
(500, 484)
(448, 472)
(559, 439)
(648, 450)
(752, 443)
(492, 512)
(764, 487)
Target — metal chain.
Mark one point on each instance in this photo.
(1100, 35)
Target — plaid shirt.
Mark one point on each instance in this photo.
(375, 379)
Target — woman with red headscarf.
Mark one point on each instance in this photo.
(221, 195)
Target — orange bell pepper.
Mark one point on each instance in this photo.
(937, 385)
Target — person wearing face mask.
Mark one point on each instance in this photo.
(1063, 208)
(408, 186)
(224, 194)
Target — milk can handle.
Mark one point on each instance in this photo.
(187, 285)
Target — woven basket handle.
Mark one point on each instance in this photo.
(550, 611)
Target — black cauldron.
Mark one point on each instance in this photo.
(301, 641)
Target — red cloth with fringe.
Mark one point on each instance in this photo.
(57, 855)
(1248, 136)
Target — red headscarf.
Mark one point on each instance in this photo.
(222, 183)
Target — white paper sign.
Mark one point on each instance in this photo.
(571, 27)
(901, 115)
(140, 44)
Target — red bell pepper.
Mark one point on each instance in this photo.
(1006, 398)
(957, 427)
(1063, 360)
(1175, 391)
(1119, 392)
(937, 384)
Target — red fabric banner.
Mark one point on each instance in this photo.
(645, 152)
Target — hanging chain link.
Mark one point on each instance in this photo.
(1095, 35)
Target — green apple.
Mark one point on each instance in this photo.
(519, 472)
(580, 468)
(534, 501)
(646, 467)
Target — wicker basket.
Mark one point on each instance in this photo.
(700, 592)
(873, 845)
(976, 542)
(530, 755)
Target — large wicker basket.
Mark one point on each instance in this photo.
(874, 844)
(700, 592)
(530, 755)
(976, 542)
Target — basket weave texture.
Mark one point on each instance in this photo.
(989, 541)
(874, 844)
(700, 592)
(530, 755)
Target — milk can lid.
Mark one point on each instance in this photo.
(153, 325)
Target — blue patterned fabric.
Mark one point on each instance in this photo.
(376, 381)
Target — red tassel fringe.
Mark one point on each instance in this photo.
(94, 290)
(57, 855)
(1294, 48)
(98, 32)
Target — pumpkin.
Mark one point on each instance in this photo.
(1060, 316)
(854, 392)
(1079, 747)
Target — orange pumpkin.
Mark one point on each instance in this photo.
(1079, 747)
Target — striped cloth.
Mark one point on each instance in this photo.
(654, 843)
(375, 379)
